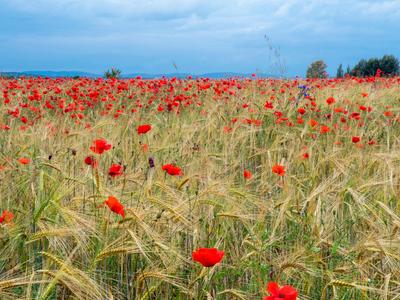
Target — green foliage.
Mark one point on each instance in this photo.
(317, 70)
(340, 72)
(388, 64)
(112, 73)
(7, 75)
(359, 69)
(348, 70)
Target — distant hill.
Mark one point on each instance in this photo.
(55, 74)
(51, 74)
(216, 75)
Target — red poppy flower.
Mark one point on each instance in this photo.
(388, 113)
(268, 105)
(115, 206)
(339, 109)
(91, 161)
(324, 129)
(227, 129)
(6, 217)
(330, 100)
(115, 170)
(99, 146)
(256, 122)
(145, 147)
(208, 257)
(312, 123)
(279, 170)
(172, 170)
(247, 174)
(24, 160)
(301, 110)
(355, 139)
(142, 129)
(286, 292)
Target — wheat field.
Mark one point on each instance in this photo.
(328, 225)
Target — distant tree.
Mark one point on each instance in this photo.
(372, 66)
(317, 70)
(359, 68)
(340, 72)
(348, 70)
(8, 75)
(388, 64)
(112, 73)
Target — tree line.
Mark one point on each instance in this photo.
(386, 66)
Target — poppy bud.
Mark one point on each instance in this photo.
(151, 162)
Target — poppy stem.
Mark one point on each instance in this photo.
(211, 284)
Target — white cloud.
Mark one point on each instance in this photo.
(224, 30)
(222, 15)
(114, 8)
(387, 8)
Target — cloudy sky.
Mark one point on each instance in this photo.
(196, 36)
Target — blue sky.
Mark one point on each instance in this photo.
(199, 36)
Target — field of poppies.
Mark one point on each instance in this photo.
(200, 189)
